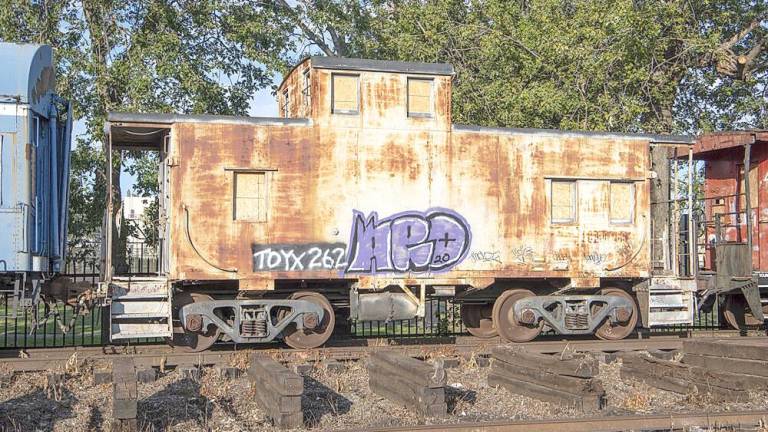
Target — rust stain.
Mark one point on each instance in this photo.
(381, 160)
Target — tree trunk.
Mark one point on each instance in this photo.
(100, 22)
(119, 228)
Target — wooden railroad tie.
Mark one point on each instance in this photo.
(278, 391)
(569, 381)
(409, 382)
(124, 395)
(749, 358)
(726, 370)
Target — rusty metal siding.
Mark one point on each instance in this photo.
(343, 182)
(760, 222)
(298, 106)
(318, 175)
(722, 179)
(383, 98)
(707, 145)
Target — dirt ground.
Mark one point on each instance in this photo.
(333, 400)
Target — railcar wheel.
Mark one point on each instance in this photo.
(478, 319)
(319, 332)
(507, 324)
(737, 313)
(621, 329)
(190, 341)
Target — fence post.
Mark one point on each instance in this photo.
(105, 327)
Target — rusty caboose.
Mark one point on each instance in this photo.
(363, 200)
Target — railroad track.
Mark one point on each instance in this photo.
(660, 422)
(57, 361)
(41, 359)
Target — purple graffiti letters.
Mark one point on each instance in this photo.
(435, 240)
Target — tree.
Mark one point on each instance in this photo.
(627, 65)
(139, 56)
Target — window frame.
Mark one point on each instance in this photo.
(633, 197)
(285, 106)
(574, 202)
(265, 173)
(416, 114)
(306, 88)
(333, 94)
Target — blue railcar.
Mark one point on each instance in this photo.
(35, 139)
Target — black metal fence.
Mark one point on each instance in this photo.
(441, 318)
(40, 327)
(54, 326)
(59, 326)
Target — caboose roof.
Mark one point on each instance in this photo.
(342, 63)
(146, 130)
(658, 138)
(368, 65)
(711, 144)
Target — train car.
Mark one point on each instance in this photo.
(364, 199)
(35, 130)
(732, 228)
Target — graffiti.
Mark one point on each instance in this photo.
(595, 258)
(603, 236)
(523, 254)
(299, 257)
(561, 260)
(435, 240)
(485, 256)
(560, 256)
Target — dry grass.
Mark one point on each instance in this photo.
(334, 399)
(240, 360)
(637, 399)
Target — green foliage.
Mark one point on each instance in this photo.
(618, 65)
(140, 56)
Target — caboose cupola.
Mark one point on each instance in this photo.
(349, 92)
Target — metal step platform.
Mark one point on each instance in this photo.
(140, 308)
(671, 301)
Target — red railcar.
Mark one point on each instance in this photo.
(733, 225)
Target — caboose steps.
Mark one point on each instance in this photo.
(140, 308)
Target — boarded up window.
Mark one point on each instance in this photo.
(251, 196)
(419, 97)
(622, 202)
(563, 201)
(345, 93)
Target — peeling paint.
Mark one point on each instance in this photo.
(326, 179)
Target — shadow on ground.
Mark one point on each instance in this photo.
(179, 402)
(320, 400)
(36, 411)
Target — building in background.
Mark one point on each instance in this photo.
(134, 209)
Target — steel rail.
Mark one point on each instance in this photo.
(164, 356)
(661, 422)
